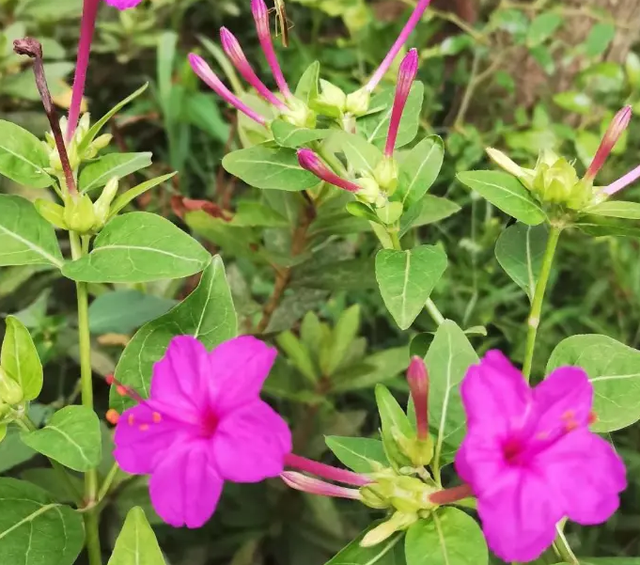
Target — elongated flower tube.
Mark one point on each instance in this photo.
(418, 380)
(615, 130)
(234, 51)
(87, 28)
(622, 182)
(301, 482)
(311, 162)
(397, 46)
(205, 73)
(325, 471)
(261, 17)
(406, 76)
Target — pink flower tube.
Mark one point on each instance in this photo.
(298, 481)
(311, 162)
(406, 76)
(418, 380)
(615, 130)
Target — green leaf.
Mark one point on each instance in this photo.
(255, 214)
(543, 27)
(394, 423)
(419, 170)
(34, 529)
(599, 38)
(360, 454)
(98, 173)
(359, 153)
(614, 372)
(94, 130)
(375, 127)
(344, 333)
(616, 209)
(139, 247)
(448, 537)
(407, 278)
(600, 226)
(19, 357)
(121, 201)
(379, 367)
(207, 314)
(63, 489)
(268, 168)
(449, 357)
(288, 135)
(23, 157)
(71, 437)
(507, 193)
(429, 210)
(26, 238)
(298, 354)
(307, 89)
(574, 101)
(388, 552)
(520, 250)
(122, 311)
(136, 543)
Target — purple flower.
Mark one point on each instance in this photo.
(311, 162)
(406, 76)
(87, 28)
(205, 73)
(204, 423)
(530, 458)
(615, 130)
(397, 46)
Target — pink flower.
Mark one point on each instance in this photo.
(261, 17)
(530, 458)
(87, 28)
(406, 76)
(298, 481)
(412, 22)
(204, 423)
(235, 53)
(418, 380)
(205, 73)
(615, 130)
(311, 162)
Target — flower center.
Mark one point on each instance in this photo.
(209, 423)
(512, 448)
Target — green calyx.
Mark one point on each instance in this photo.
(10, 392)
(403, 493)
(299, 114)
(556, 181)
(358, 102)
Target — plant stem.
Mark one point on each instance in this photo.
(564, 549)
(91, 519)
(430, 305)
(538, 298)
(108, 481)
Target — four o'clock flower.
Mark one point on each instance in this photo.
(203, 70)
(311, 162)
(203, 424)
(530, 458)
(615, 130)
(406, 76)
(87, 28)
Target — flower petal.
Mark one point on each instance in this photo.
(185, 487)
(123, 4)
(479, 461)
(141, 441)
(563, 400)
(495, 394)
(250, 444)
(239, 368)
(180, 378)
(519, 516)
(586, 474)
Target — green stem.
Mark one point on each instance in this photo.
(108, 481)
(564, 549)
(538, 298)
(91, 518)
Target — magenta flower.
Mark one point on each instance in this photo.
(530, 458)
(204, 423)
(418, 380)
(615, 130)
(87, 28)
(261, 17)
(205, 73)
(406, 76)
(412, 22)
(311, 162)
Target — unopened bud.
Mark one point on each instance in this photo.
(559, 184)
(10, 390)
(332, 95)
(398, 522)
(102, 206)
(418, 380)
(358, 102)
(386, 173)
(507, 164)
(370, 191)
(299, 114)
(52, 212)
(79, 215)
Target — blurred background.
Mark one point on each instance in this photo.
(516, 75)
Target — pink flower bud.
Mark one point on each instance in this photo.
(615, 130)
(205, 73)
(301, 482)
(418, 379)
(311, 162)
(261, 17)
(406, 76)
(325, 471)
(235, 53)
(402, 39)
